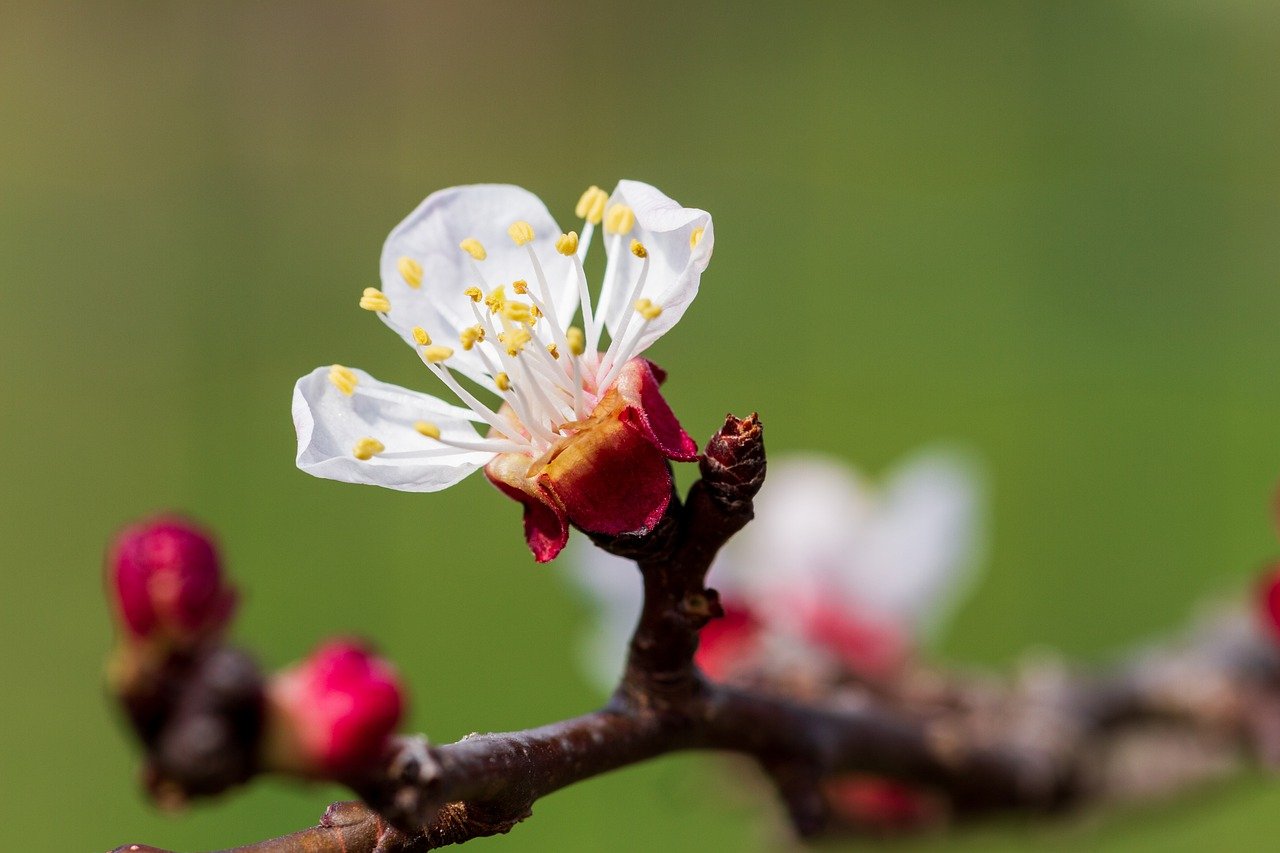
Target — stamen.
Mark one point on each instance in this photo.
(547, 304)
(495, 300)
(638, 249)
(518, 312)
(470, 336)
(451, 447)
(619, 219)
(475, 294)
(436, 354)
(584, 296)
(474, 248)
(648, 310)
(591, 205)
(491, 417)
(427, 428)
(420, 335)
(554, 350)
(367, 448)
(521, 232)
(344, 379)
(695, 237)
(514, 340)
(604, 306)
(609, 361)
(375, 300)
(520, 286)
(577, 341)
(410, 271)
(567, 244)
(503, 381)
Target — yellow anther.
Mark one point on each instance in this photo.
(576, 339)
(420, 335)
(695, 237)
(520, 286)
(521, 232)
(475, 294)
(474, 248)
(367, 448)
(567, 244)
(554, 350)
(535, 311)
(344, 379)
(375, 300)
(514, 340)
(503, 381)
(427, 428)
(495, 300)
(648, 310)
(410, 271)
(591, 205)
(517, 312)
(619, 219)
(470, 336)
(638, 249)
(436, 354)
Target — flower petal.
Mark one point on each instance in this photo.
(329, 423)
(431, 236)
(918, 551)
(649, 413)
(610, 479)
(675, 266)
(546, 528)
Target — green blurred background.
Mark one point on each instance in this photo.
(1045, 231)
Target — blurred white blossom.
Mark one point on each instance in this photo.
(833, 567)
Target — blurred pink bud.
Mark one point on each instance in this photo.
(1269, 600)
(865, 644)
(880, 804)
(728, 642)
(166, 582)
(333, 713)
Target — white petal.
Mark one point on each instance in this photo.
(329, 424)
(903, 553)
(919, 554)
(665, 228)
(810, 514)
(612, 587)
(431, 236)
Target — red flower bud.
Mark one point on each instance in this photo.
(333, 713)
(727, 642)
(880, 804)
(868, 645)
(165, 579)
(1269, 601)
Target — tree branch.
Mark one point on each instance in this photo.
(1043, 742)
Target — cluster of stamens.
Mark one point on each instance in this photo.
(550, 378)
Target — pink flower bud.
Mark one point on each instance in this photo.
(166, 581)
(881, 805)
(1269, 601)
(333, 713)
(728, 642)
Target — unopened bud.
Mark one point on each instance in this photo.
(1269, 601)
(165, 579)
(332, 714)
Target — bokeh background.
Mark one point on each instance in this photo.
(1046, 232)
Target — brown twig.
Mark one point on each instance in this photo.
(1044, 742)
